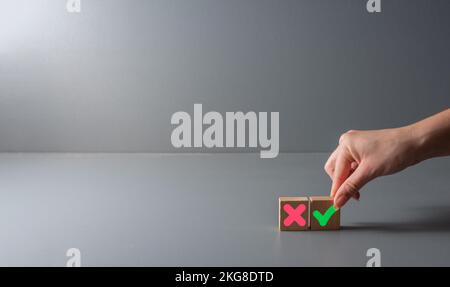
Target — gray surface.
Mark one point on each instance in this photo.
(110, 78)
(144, 209)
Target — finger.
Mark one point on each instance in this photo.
(353, 166)
(351, 186)
(329, 165)
(341, 170)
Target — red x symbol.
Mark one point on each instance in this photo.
(294, 214)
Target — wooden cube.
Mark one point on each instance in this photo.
(293, 213)
(323, 215)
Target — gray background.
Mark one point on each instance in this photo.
(110, 78)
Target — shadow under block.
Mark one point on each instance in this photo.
(323, 215)
(293, 213)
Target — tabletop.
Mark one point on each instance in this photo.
(210, 210)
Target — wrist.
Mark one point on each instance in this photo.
(417, 140)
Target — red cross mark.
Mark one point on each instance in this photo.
(294, 214)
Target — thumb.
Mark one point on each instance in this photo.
(351, 186)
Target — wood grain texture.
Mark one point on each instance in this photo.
(294, 202)
(322, 204)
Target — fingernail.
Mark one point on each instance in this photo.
(336, 203)
(340, 201)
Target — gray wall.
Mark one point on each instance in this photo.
(110, 78)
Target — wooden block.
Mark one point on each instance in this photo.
(293, 213)
(322, 215)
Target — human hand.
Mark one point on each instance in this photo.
(362, 156)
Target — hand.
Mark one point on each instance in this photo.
(364, 155)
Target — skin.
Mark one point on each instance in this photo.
(362, 156)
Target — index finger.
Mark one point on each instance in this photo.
(341, 171)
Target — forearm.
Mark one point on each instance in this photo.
(383, 152)
(431, 136)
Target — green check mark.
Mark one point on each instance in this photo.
(323, 218)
